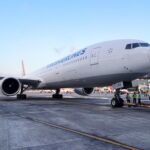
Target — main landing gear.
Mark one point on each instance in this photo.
(117, 101)
(57, 95)
(22, 96)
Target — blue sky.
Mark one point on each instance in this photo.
(42, 31)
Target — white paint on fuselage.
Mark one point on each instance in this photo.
(101, 64)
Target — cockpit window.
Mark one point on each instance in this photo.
(144, 44)
(128, 46)
(135, 45)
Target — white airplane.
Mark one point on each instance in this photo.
(102, 64)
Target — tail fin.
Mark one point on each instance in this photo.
(23, 72)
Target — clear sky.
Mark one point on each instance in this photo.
(42, 31)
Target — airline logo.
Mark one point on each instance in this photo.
(77, 54)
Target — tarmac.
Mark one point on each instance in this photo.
(73, 123)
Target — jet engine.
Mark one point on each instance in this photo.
(10, 86)
(84, 91)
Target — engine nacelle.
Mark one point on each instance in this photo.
(84, 91)
(10, 86)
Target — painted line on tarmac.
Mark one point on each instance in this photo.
(138, 105)
(81, 133)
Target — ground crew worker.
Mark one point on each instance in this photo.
(134, 98)
(139, 98)
(128, 98)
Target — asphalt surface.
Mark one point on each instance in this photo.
(93, 115)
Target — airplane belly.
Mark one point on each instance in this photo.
(103, 80)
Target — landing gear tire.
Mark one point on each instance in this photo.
(58, 96)
(21, 96)
(117, 103)
(114, 103)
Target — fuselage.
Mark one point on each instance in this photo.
(101, 64)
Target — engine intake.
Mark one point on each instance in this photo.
(84, 91)
(10, 86)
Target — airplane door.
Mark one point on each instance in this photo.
(94, 56)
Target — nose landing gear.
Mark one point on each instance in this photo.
(117, 101)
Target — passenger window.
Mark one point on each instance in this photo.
(128, 46)
(144, 44)
(135, 45)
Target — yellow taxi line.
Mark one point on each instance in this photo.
(95, 137)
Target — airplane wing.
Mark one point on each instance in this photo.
(30, 82)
